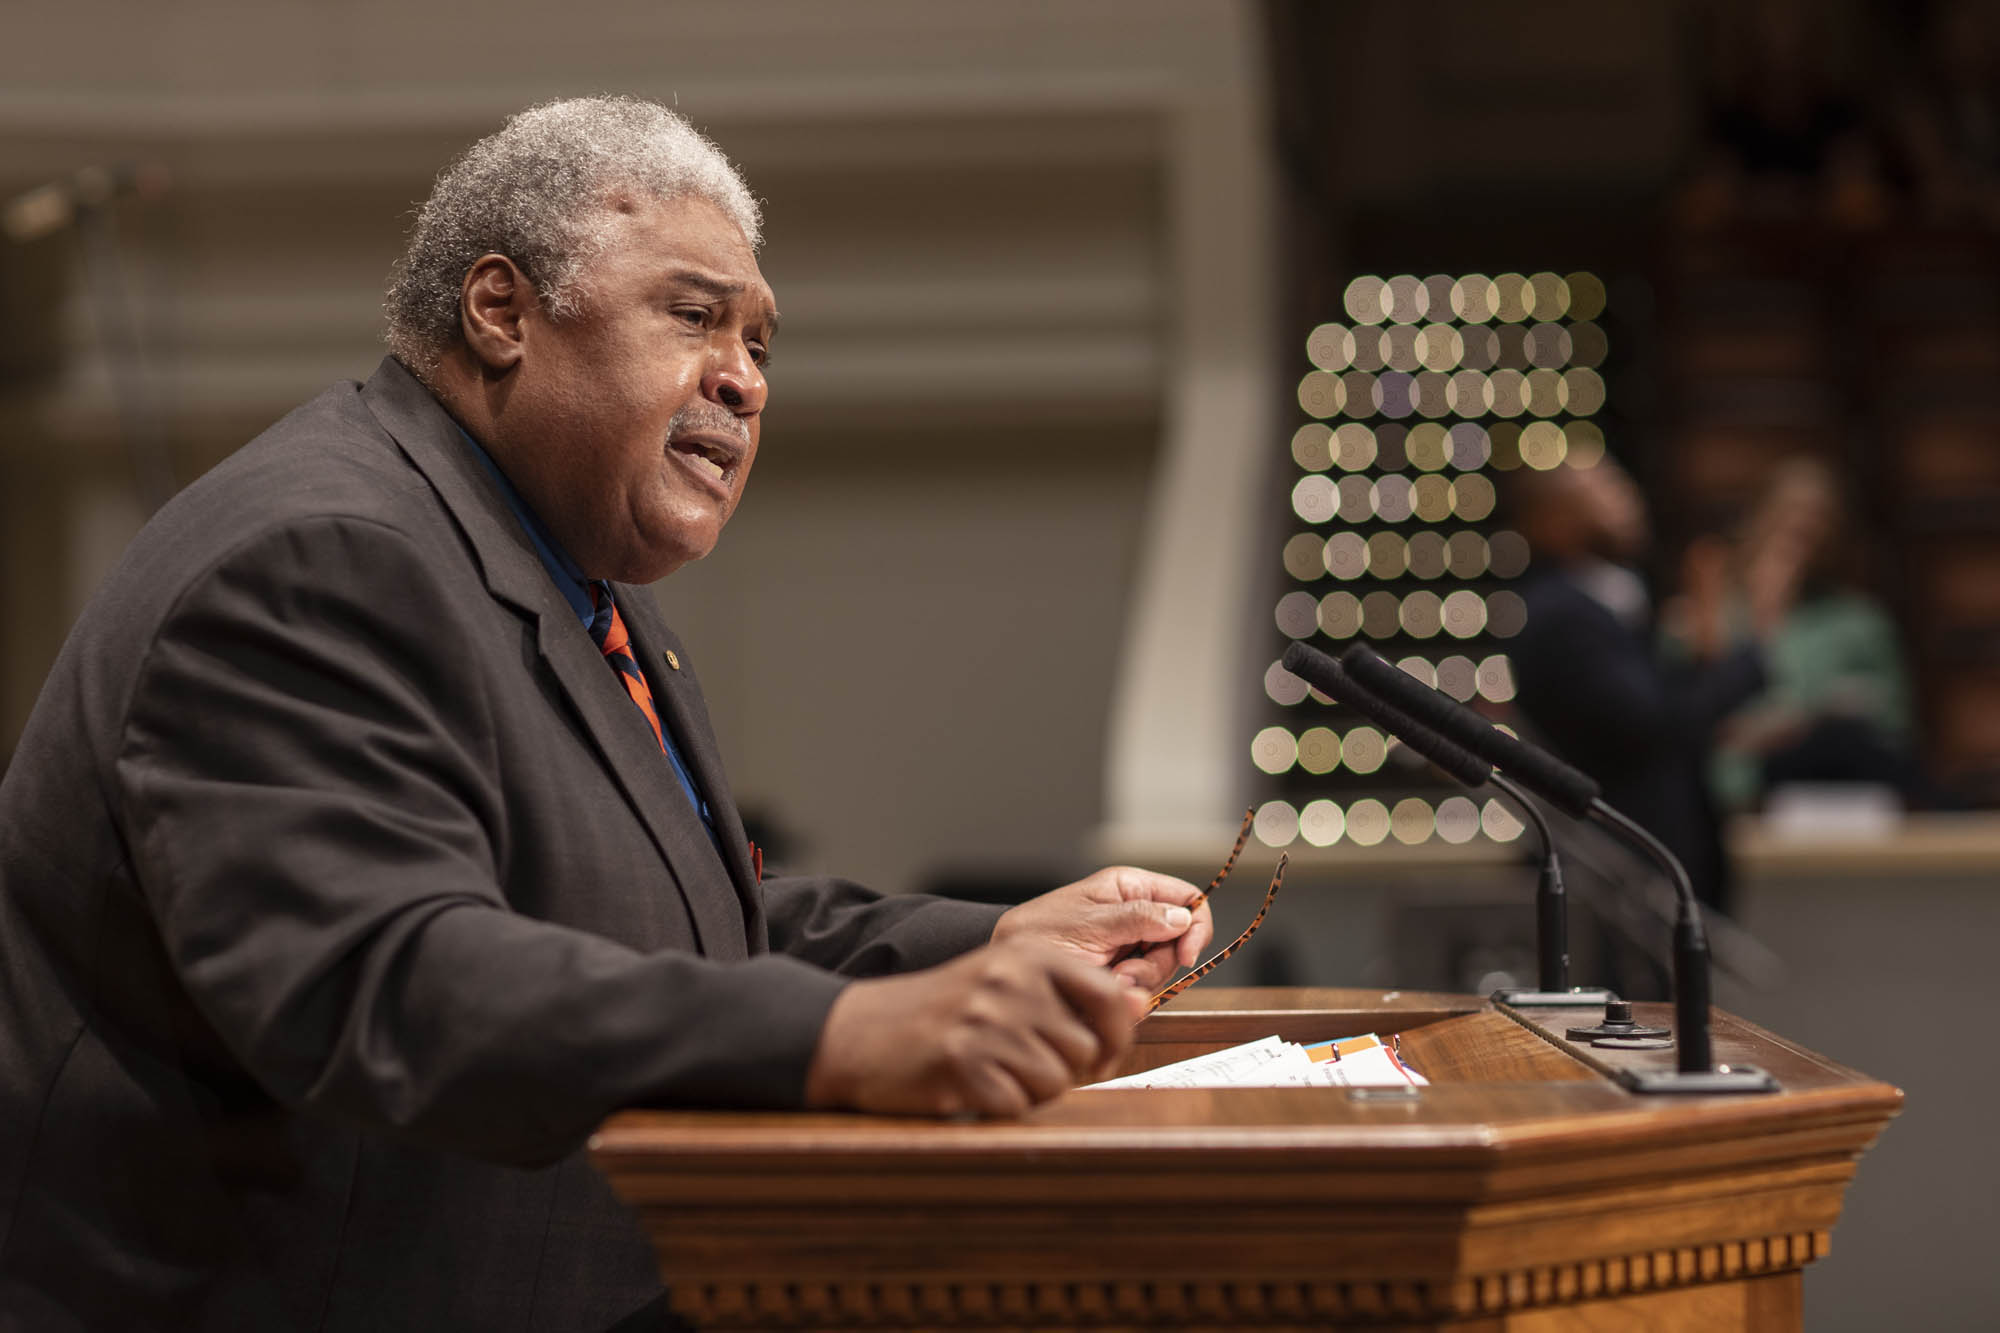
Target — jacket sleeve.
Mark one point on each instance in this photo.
(860, 933)
(316, 821)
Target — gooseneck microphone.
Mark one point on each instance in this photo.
(1326, 675)
(1576, 794)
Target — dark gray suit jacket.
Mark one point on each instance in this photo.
(343, 891)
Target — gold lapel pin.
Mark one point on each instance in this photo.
(673, 662)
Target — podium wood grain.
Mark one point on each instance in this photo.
(1524, 1190)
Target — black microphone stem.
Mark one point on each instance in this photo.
(1551, 900)
(1691, 997)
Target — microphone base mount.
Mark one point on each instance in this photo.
(1582, 997)
(1705, 1082)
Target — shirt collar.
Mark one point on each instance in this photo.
(568, 576)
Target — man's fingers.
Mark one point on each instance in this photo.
(1103, 1002)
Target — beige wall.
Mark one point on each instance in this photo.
(978, 233)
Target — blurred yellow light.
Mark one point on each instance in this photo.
(1364, 300)
(1464, 614)
(1468, 394)
(1419, 669)
(1495, 679)
(1412, 821)
(1277, 824)
(1357, 499)
(1422, 614)
(1406, 299)
(1319, 750)
(1379, 612)
(1321, 823)
(1542, 392)
(1425, 446)
(1388, 555)
(1393, 394)
(1399, 348)
(1469, 447)
(1466, 555)
(1346, 555)
(1339, 616)
(1586, 296)
(1472, 298)
(1321, 394)
(1457, 820)
(1363, 750)
(1587, 345)
(1304, 557)
(1358, 391)
(1499, 822)
(1439, 346)
(1506, 613)
(1586, 443)
(1543, 445)
(1582, 390)
(1274, 750)
(1510, 298)
(1282, 687)
(1426, 554)
(1391, 498)
(1430, 498)
(1330, 347)
(1547, 346)
(1430, 393)
(1458, 677)
(1437, 296)
(1354, 446)
(1472, 497)
(1507, 553)
(1480, 348)
(1296, 614)
(1312, 446)
(1314, 498)
(1505, 394)
(1367, 822)
(1548, 296)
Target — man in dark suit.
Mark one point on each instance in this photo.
(1590, 673)
(369, 842)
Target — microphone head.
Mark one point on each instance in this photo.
(1320, 671)
(1547, 776)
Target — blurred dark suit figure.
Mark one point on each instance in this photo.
(1590, 675)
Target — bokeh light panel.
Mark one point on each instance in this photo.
(1425, 388)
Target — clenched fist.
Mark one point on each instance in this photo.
(992, 1033)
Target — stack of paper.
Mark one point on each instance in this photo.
(1350, 1062)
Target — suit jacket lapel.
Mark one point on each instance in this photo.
(515, 576)
(678, 695)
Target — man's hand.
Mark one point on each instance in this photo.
(1100, 918)
(992, 1032)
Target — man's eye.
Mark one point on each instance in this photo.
(692, 314)
(760, 354)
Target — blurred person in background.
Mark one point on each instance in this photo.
(369, 842)
(1591, 676)
(1836, 707)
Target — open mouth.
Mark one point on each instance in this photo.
(707, 458)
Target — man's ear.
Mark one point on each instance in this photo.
(493, 306)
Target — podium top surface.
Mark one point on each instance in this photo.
(1504, 1085)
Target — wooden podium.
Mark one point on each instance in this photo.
(1523, 1190)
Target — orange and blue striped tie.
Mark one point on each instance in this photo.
(617, 648)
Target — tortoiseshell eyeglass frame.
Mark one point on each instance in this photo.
(1203, 969)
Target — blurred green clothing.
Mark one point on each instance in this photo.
(1837, 655)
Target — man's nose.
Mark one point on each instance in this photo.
(734, 381)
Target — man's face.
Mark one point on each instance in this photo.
(631, 428)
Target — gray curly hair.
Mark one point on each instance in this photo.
(539, 191)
